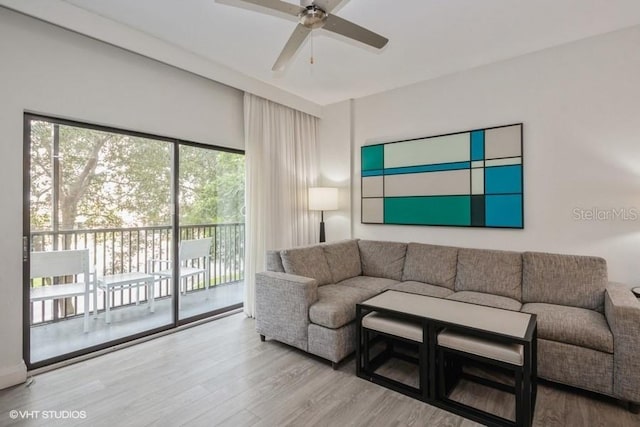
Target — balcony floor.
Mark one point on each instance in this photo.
(65, 336)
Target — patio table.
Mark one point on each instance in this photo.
(112, 282)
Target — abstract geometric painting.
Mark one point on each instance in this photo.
(464, 179)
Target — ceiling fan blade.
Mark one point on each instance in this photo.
(353, 31)
(295, 41)
(277, 5)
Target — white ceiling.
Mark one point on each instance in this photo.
(428, 38)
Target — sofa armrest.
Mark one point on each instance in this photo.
(622, 311)
(282, 306)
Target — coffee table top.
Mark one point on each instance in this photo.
(491, 319)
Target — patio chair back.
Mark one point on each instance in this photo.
(60, 263)
(63, 263)
(198, 248)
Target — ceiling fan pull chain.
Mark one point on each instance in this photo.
(311, 42)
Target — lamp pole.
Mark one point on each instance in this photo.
(322, 236)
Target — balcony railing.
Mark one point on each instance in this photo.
(123, 250)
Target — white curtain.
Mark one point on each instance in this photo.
(281, 156)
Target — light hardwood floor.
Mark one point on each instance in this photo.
(220, 374)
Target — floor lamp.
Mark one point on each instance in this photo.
(323, 199)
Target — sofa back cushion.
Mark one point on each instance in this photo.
(382, 259)
(490, 271)
(343, 259)
(308, 262)
(432, 264)
(274, 262)
(573, 280)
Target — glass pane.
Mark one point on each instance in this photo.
(109, 193)
(211, 205)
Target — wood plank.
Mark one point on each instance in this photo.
(220, 373)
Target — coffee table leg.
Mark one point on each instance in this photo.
(526, 393)
(423, 354)
(358, 339)
(432, 342)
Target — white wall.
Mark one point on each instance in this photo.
(81, 21)
(335, 166)
(52, 71)
(580, 105)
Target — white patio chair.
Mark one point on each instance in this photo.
(191, 252)
(64, 263)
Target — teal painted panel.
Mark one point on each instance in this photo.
(372, 157)
(477, 145)
(503, 179)
(504, 211)
(436, 210)
(428, 168)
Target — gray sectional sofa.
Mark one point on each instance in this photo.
(588, 328)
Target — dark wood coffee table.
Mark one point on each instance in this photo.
(418, 319)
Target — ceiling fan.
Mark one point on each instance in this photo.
(312, 15)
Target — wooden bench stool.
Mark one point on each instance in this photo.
(453, 346)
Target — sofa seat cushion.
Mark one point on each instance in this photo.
(376, 284)
(431, 264)
(336, 305)
(343, 259)
(382, 259)
(307, 262)
(421, 289)
(489, 300)
(578, 281)
(572, 325)
(490, 271)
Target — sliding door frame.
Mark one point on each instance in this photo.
(175, 223)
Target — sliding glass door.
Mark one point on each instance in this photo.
(131, 206)
(211, 206)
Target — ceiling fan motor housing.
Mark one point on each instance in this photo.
(313, 17)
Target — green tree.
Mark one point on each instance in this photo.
(211, 186)
(112, 180)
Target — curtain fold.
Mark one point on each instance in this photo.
(281, 164)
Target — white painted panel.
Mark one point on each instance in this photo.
(428, 151)
(477, 181)
(502, 142)
(504, 162)
(477, 164)
(373, 186)
(373, 211)
(427, 184)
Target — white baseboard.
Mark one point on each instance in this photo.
(12, 375)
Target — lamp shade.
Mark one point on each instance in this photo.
(323, 199)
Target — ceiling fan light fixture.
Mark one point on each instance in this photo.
(312, 17)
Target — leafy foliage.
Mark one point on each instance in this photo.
(110, 180)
